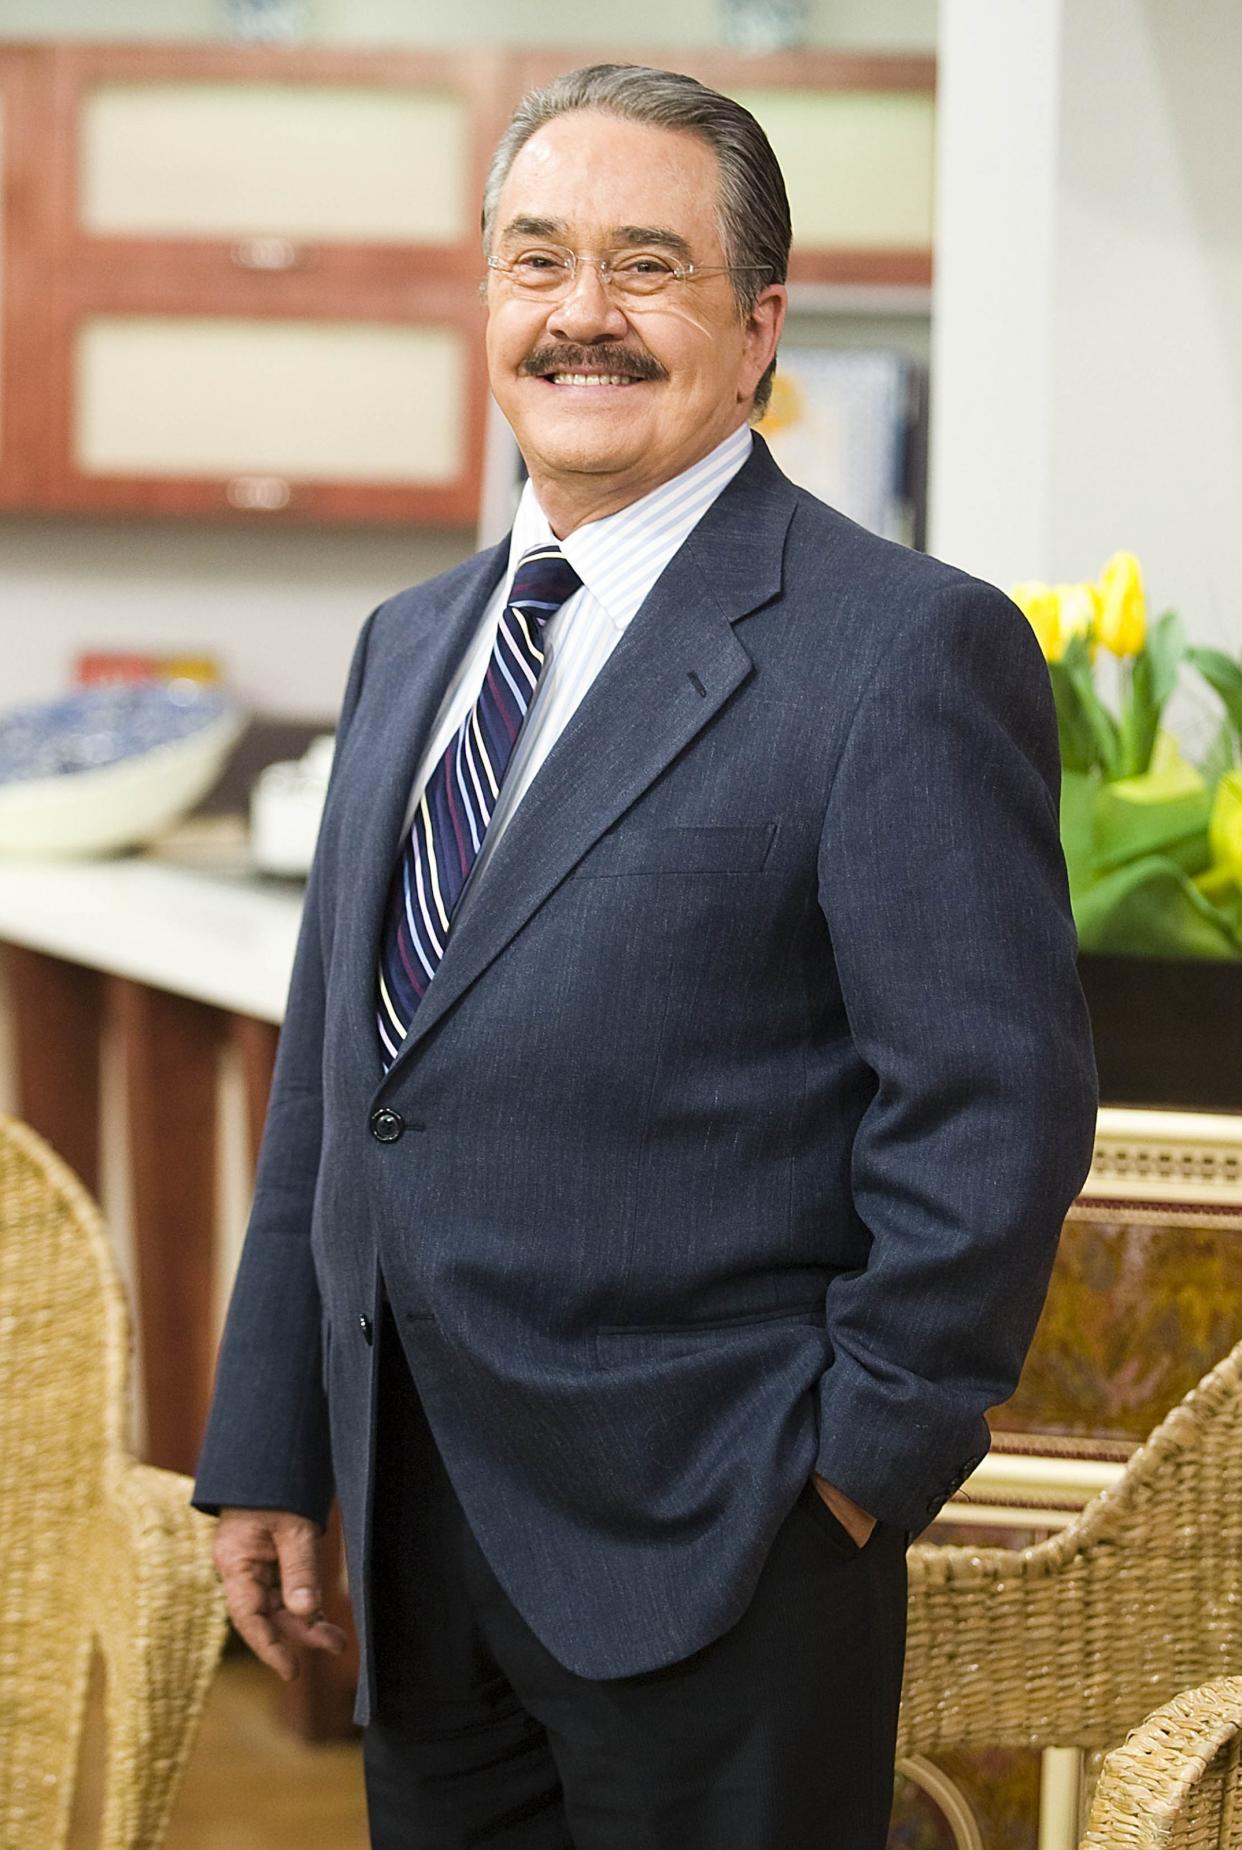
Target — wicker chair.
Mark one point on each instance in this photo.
(95, 1549)
(1072, 1642)
(1177, 1781)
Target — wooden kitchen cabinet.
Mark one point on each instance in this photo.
(243, 282)
(266, 300)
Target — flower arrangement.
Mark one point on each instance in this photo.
(1153, 842)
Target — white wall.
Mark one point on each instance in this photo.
(280, 610)
(1087, 350)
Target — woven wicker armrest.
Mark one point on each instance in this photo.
(984, 1659)
(1071, 1641)
(94, 1548)
(159, 1616)
(1174, 1781)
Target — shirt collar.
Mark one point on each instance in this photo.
(620, 557)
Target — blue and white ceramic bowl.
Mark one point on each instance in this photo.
(109, 767)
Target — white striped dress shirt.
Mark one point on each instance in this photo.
(618, 560)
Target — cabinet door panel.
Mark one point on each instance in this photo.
(858, 164)
(305, 162)
(189, 396)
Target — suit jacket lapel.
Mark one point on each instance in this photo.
(400, 715)
(642, 709)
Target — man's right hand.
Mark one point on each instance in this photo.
(268, 1561)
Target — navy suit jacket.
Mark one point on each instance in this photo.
(740, 1119)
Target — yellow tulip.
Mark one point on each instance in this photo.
(1225, 826)
(1038, 604)
(1078, 607)
(1123, 605)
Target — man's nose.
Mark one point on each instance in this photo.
(587, 312)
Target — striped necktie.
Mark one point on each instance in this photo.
(453, 813)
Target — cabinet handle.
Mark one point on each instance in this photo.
(265, 254)
(259, 494)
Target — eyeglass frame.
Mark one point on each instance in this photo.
(677, 272)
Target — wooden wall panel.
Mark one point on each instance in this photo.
(25, 252)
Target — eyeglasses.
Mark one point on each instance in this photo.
(549, 271)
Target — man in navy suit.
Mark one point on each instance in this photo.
(684, 1076)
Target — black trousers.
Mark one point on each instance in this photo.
(777, 1736)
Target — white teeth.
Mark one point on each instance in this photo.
(588, 379)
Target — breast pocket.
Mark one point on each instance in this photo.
(633, 849)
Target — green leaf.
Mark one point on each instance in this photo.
(1078, 795)
(1140, 718)
(1165, 650)
(1166, 754)
(1077, 741)
(1150, 909)
(1107, 746)
(1161, 813)
(1223, 754)
(1224, 676)
(1153, 677)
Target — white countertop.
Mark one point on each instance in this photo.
(224, 939)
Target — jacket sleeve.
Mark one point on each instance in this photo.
(267, 1444)
(943, 885)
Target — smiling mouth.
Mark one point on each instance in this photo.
(569, 366)
(589, 379)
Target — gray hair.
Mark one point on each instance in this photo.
(752, 210)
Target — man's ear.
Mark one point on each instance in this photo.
(764, 322)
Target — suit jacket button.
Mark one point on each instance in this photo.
(364, 1324)
(386, 1125)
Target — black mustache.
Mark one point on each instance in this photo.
(565, 359)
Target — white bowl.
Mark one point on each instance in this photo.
(117, 805)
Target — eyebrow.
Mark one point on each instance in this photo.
(527, 227)
(652, 234)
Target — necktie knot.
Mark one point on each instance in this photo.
(544, 580)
